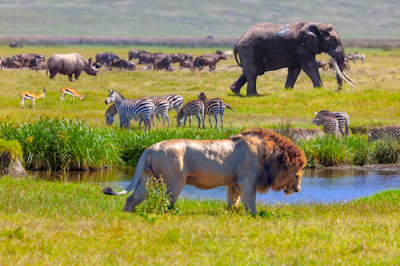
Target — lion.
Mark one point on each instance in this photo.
(254, 160)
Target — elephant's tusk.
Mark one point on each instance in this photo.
(335, 65)
(349, 78)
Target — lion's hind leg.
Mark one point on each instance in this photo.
(233, 197)
(138, 196)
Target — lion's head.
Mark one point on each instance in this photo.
(282, 162)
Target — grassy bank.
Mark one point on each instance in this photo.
(62, 144)
(50, 223)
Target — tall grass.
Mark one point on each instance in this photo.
(55, 143)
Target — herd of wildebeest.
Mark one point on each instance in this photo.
(152, 61)
(145, 109)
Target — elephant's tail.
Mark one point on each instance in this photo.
(141, 166)
(235, 50)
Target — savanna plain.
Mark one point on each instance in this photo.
(61, 223)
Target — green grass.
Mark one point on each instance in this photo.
(48, 223)
(11, 147)
(374, 102)
(151, 18)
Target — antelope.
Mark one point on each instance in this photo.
(26, 95)
(72, 92)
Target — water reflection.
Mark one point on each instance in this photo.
(322, 186)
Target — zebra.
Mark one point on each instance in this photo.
(131, 109)
(392, 132)
(161, 107)
(330, 124)
(213, 107)
(177, 100)
(195, 107)
(342, 117)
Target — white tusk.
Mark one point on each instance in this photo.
(335, 65)
(349, 78)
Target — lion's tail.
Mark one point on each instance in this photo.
(135, 180)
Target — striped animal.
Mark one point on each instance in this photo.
(26, 95)
(330, 124)
(213, 107)
(392, 132)
(195, 107)
(161, 107)
(342, 117)
(141, 109)
(176, 100)
(74, 93)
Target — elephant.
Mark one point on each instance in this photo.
(68, 64)
(267, 47)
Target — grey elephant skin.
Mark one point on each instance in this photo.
(68, 64)
(267, 47)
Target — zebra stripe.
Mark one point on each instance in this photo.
(213, 107)
(177, 100)
(342, 117)
(195, 107)
(161, 107)
(330, 124)
(141, 109)
(392, 132)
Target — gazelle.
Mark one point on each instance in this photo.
(26, 95)
(72, 92)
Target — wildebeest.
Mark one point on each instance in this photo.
(135, 54)
(209, 60)
(30, 60)
(162, 61)
(68, 64)
(187, 64)
(180, 58)
(16, 45)
(146, 58)
(106, 58)
(130, 65)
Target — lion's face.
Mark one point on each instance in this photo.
(288, 180)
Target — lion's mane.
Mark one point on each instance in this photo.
(280, 154)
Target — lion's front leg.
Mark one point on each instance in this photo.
(233, 197)
(248, 195)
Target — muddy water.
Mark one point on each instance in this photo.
(321, 186)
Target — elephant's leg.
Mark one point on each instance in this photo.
(310, 67)
(238, 84)
(251, 85)
(232, 194)
(293, 73)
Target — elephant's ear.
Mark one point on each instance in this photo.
(310, 37)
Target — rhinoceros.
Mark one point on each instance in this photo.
(68, 64)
